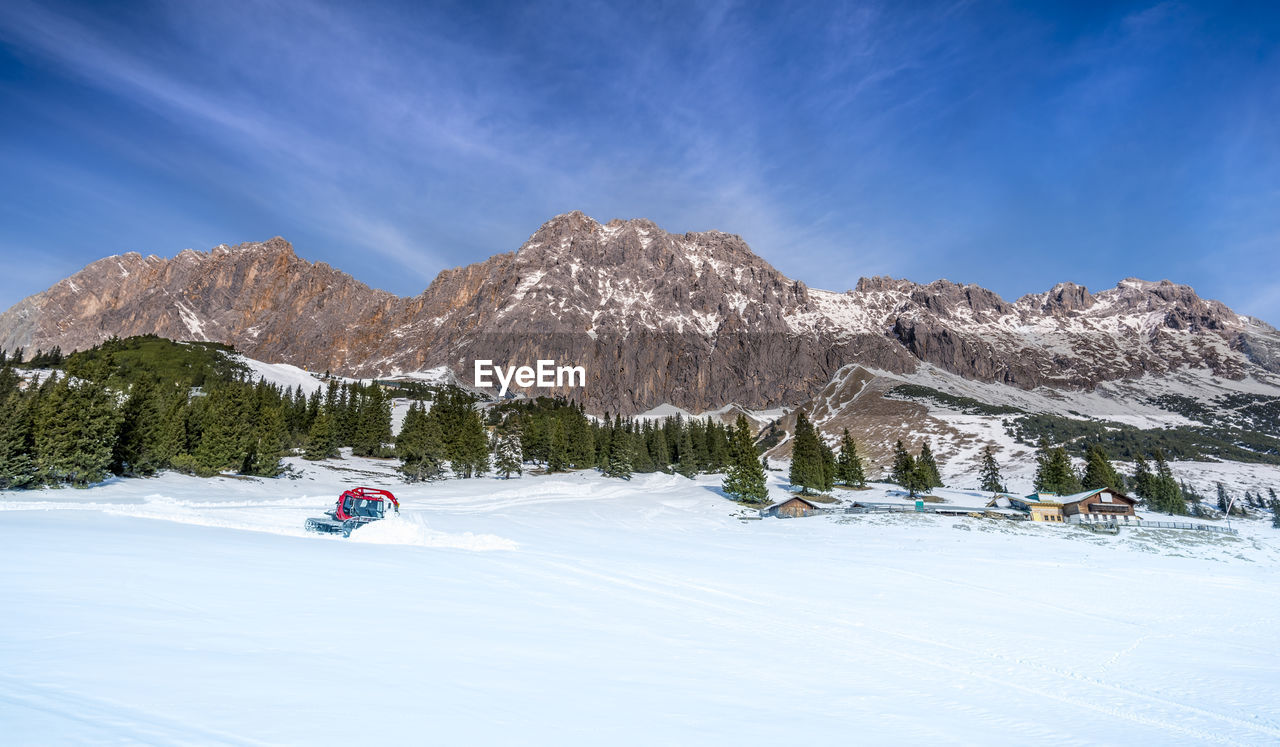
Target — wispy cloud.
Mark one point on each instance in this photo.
(1006, 146)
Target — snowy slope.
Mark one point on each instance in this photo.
(572, 609)
(280, 374)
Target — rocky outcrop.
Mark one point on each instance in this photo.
(696, 319)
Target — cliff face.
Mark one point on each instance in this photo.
(697, 320)
(260, 297)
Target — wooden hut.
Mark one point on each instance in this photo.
(791, 508)
(1099, 505)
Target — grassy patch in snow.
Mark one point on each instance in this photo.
(967, 405)
(156, 359)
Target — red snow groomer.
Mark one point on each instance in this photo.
(356, 507)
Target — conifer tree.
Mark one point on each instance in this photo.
(928, 467)
(322, 439)
(619, 457)
(174, 436)
(807, 471)
(687, 461)
(267, 443)
(1054, 473)
(332, 395)
(347, 413)
(603, 439)
(581, 442)
(717, 447)
(641, 461)
(313, 408)
(17, 442)
(295, 412)
(1142, 481)
(907, 471)
(139, 448)
(828, 464)
(992, 481)
(904, 466)
(1168, 496)
(849, 469)
(506, 454)
(1098, 470)
(9, 381)
(1192, 497)
(75, 432)
(698, 438)
(223, 436)
(673, 426)
(534, 440)
(420, 446)
(558, 448)
(473, 446)
(372, 424)
(745, 480)
(659, 452)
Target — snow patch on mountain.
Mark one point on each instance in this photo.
(281, 374)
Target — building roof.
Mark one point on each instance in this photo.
(810, 504)
(1083, 495)
(1009, 497)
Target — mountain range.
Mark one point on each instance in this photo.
(694, 320)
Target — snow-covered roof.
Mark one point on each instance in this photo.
(1077, 497)
(1008, 498)
(791, 498)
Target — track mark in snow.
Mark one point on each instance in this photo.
(106, 720)
(1079, 702)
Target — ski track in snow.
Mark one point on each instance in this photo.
(574, 609)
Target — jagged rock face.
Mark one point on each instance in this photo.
(260, 297)
(696, 320)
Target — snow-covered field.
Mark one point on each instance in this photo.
(574, 609)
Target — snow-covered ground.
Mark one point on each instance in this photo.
(283, 375)
(573, 609)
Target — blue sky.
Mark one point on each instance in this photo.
(1010, 145)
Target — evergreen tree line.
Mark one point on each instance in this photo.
(1227, 505)
(815, 466)
(350, 414)
(91, 420)
(555, 435)
(78, 430)
(1157, 487)
(917, 474)
(51, 359)
(450, 433)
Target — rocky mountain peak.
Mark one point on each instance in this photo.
(696, 320)
(1066, 298)
(950, 299)
(1180, 306)
(882, 283)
